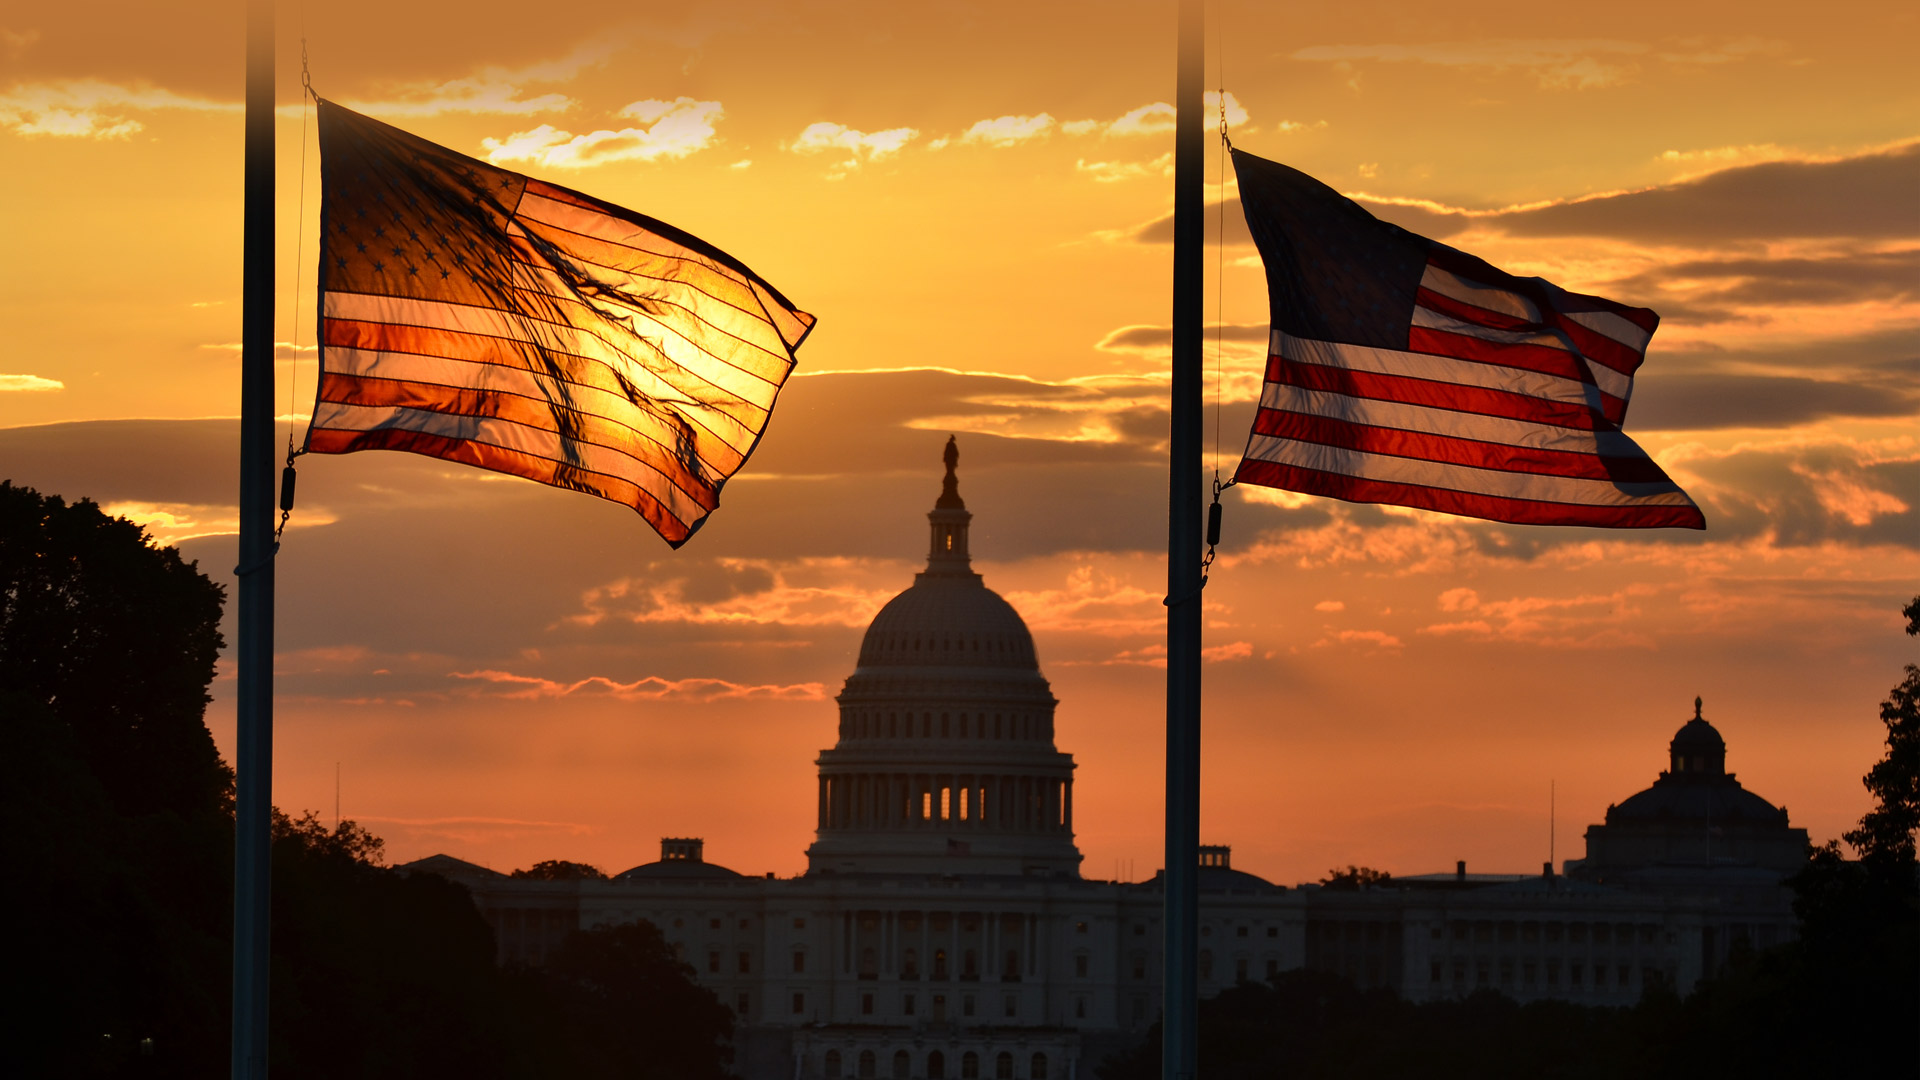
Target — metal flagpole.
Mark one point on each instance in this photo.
(1180, 1018)
(253, 752)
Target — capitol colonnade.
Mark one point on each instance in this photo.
(955, 802)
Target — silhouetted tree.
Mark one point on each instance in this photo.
(1885, 836)
(1354, 878)
(118, 848)
(633, 1009)
(118, 638)
(561, 870)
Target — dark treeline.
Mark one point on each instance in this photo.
(1842, 1000)
(118, 851)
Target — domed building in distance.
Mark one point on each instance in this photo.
(943, 928)
(946, 732)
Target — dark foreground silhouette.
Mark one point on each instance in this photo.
(118, 849)
(1843, 1000)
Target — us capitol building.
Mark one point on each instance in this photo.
(943, 928)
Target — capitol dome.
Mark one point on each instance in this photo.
(945, 762)
(1696, 813)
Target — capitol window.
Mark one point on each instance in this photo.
(1039, 1069)
(799, 962)
(907, 1004)
(866, 1069)
(832, 1065)
(799, 1002)
(1003, 1066)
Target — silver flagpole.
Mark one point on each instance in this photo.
(253, 750)
(1180, 1019)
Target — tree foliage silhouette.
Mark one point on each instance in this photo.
(1885, 835)
(117, 638)
(119, 847)
(560, 870)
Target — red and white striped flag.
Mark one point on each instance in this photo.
(477, 315)
(1404, 371)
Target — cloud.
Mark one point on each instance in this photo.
(282, 350)
(1566, 64)
(651, 688)
(1009, 130)
(1379, 639)
(29, 384)
(1761, 284)
(1155, 656)
(91, 108)
(749, 593)
(1330, 606)
(1847, 496)
(1107, 172)
(1157, 339)
(669, 129)
(859, 145)
(1091, 602)
(494, 91)
(1863, 196)
(1583, 621)
(1156, 118)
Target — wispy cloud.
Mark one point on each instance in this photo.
(1586, 621)
(1559, 64)
(669, 129)
(1107, 172)
(858, 146)
(29, 384)
(1009, 130)
(651, 688)
(91, 108)
(1091, 602)
(758, 593)
(496, 91)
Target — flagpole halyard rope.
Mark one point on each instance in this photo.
(1219, 320)
(307, 98)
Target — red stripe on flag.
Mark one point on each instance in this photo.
(1436, 395)
(513, 462)
(1538, 358)
(582, 427)
(1458, 262)
(1502, 457)
(1472, 313)
(1489, 507)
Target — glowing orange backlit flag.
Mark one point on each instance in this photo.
(481, 316)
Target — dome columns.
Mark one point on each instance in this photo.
(945, 802)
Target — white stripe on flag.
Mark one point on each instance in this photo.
(1448, 422)
(1468, 291)
(1436, 474)
(1442, 369)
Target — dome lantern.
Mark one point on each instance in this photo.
(1697, 750)
(947, 551)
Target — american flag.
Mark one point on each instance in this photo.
(481, 316)
(1403, 371)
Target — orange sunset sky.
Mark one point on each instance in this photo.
(973, 198)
